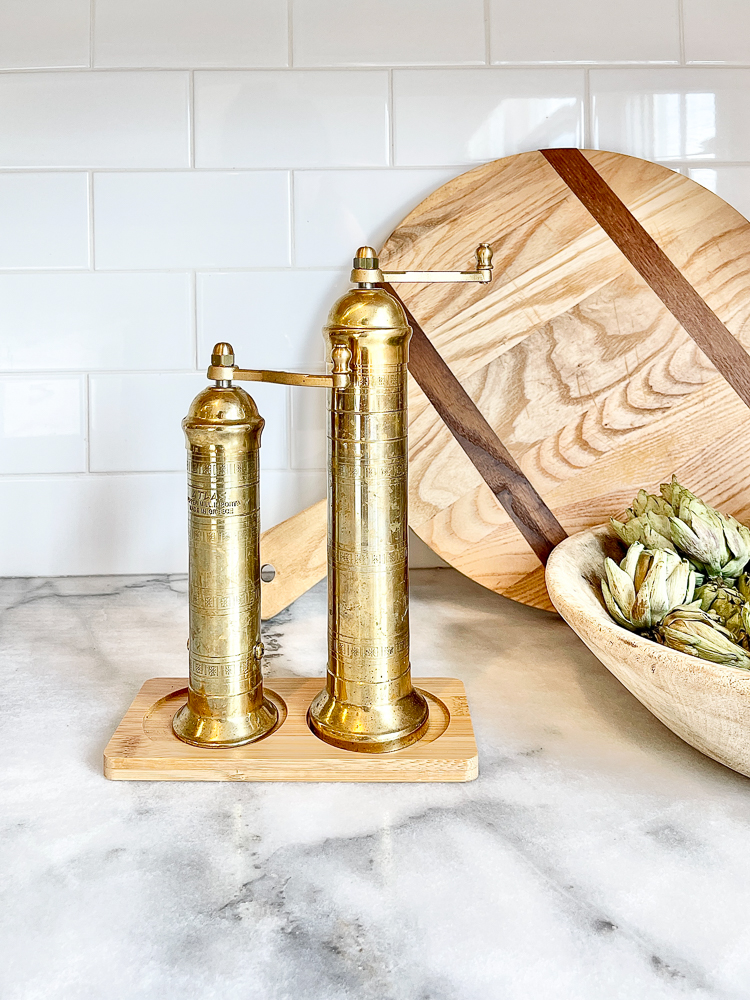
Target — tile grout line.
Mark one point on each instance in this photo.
(372, 168)
(292, 223)
(549, 65)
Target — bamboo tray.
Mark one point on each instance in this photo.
(144, 748)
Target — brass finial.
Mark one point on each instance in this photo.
(366, 267)
(222, 355)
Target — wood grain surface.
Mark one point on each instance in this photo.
(144, 748)
(589, 381)
(573, 369)
(296, 548)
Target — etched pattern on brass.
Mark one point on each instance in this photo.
(225, 705)
(369, 703)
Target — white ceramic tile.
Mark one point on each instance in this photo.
(94, 119)
(135, 421)
(308, 428)
(273, 319)
(44, 33)
(288, 492)
(581, 31)
(93, 321)
(190, 33)
(668, 114)
(94, 524)
(394, 33)
(44, 221)
(730, 183)
(42, 424)
(473, 115)
(191, 220)
(294, 119)
(337, 211)
(717, 31)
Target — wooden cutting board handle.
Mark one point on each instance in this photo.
(296, 549)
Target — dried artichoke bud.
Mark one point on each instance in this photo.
(693, 631)
(649, 503)
(649, 528)
(645, 586)
(743, 585)
(717, 541)
(727, 603)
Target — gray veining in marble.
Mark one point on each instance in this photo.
(596, 855)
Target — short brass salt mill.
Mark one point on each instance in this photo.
(225, 705)
(369, 703)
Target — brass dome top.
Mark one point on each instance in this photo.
(368, 308)
(216, 405)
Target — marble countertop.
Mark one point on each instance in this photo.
(596, 855)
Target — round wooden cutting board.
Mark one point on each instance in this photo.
(582, 372)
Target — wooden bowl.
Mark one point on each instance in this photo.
(705, 704)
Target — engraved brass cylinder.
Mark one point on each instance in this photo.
(369, 703)
(225, 705)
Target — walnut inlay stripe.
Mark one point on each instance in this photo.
(656, 269)
(492, 460)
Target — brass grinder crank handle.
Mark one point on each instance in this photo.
(223, 370)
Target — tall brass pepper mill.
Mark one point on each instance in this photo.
(369, 703)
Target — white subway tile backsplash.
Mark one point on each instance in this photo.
(191, 220)
(273, 405)
(730, 183)
(672, 114)
(285, 493)
(582, 31)
(101, 321)
(273, 319)
(42, 424)
(190, 33)
(338, 211)
(308, 428)
(135, 420)
(94, 120)
(94, 525)
(418, 33)
(89, 321)
(44, 220)
(717, 31)
(44, 33)
(294, 119)
(469, 116)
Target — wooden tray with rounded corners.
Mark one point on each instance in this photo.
(144, 748)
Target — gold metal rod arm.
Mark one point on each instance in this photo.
(234, 374)
(366, 270)
(392, 277)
